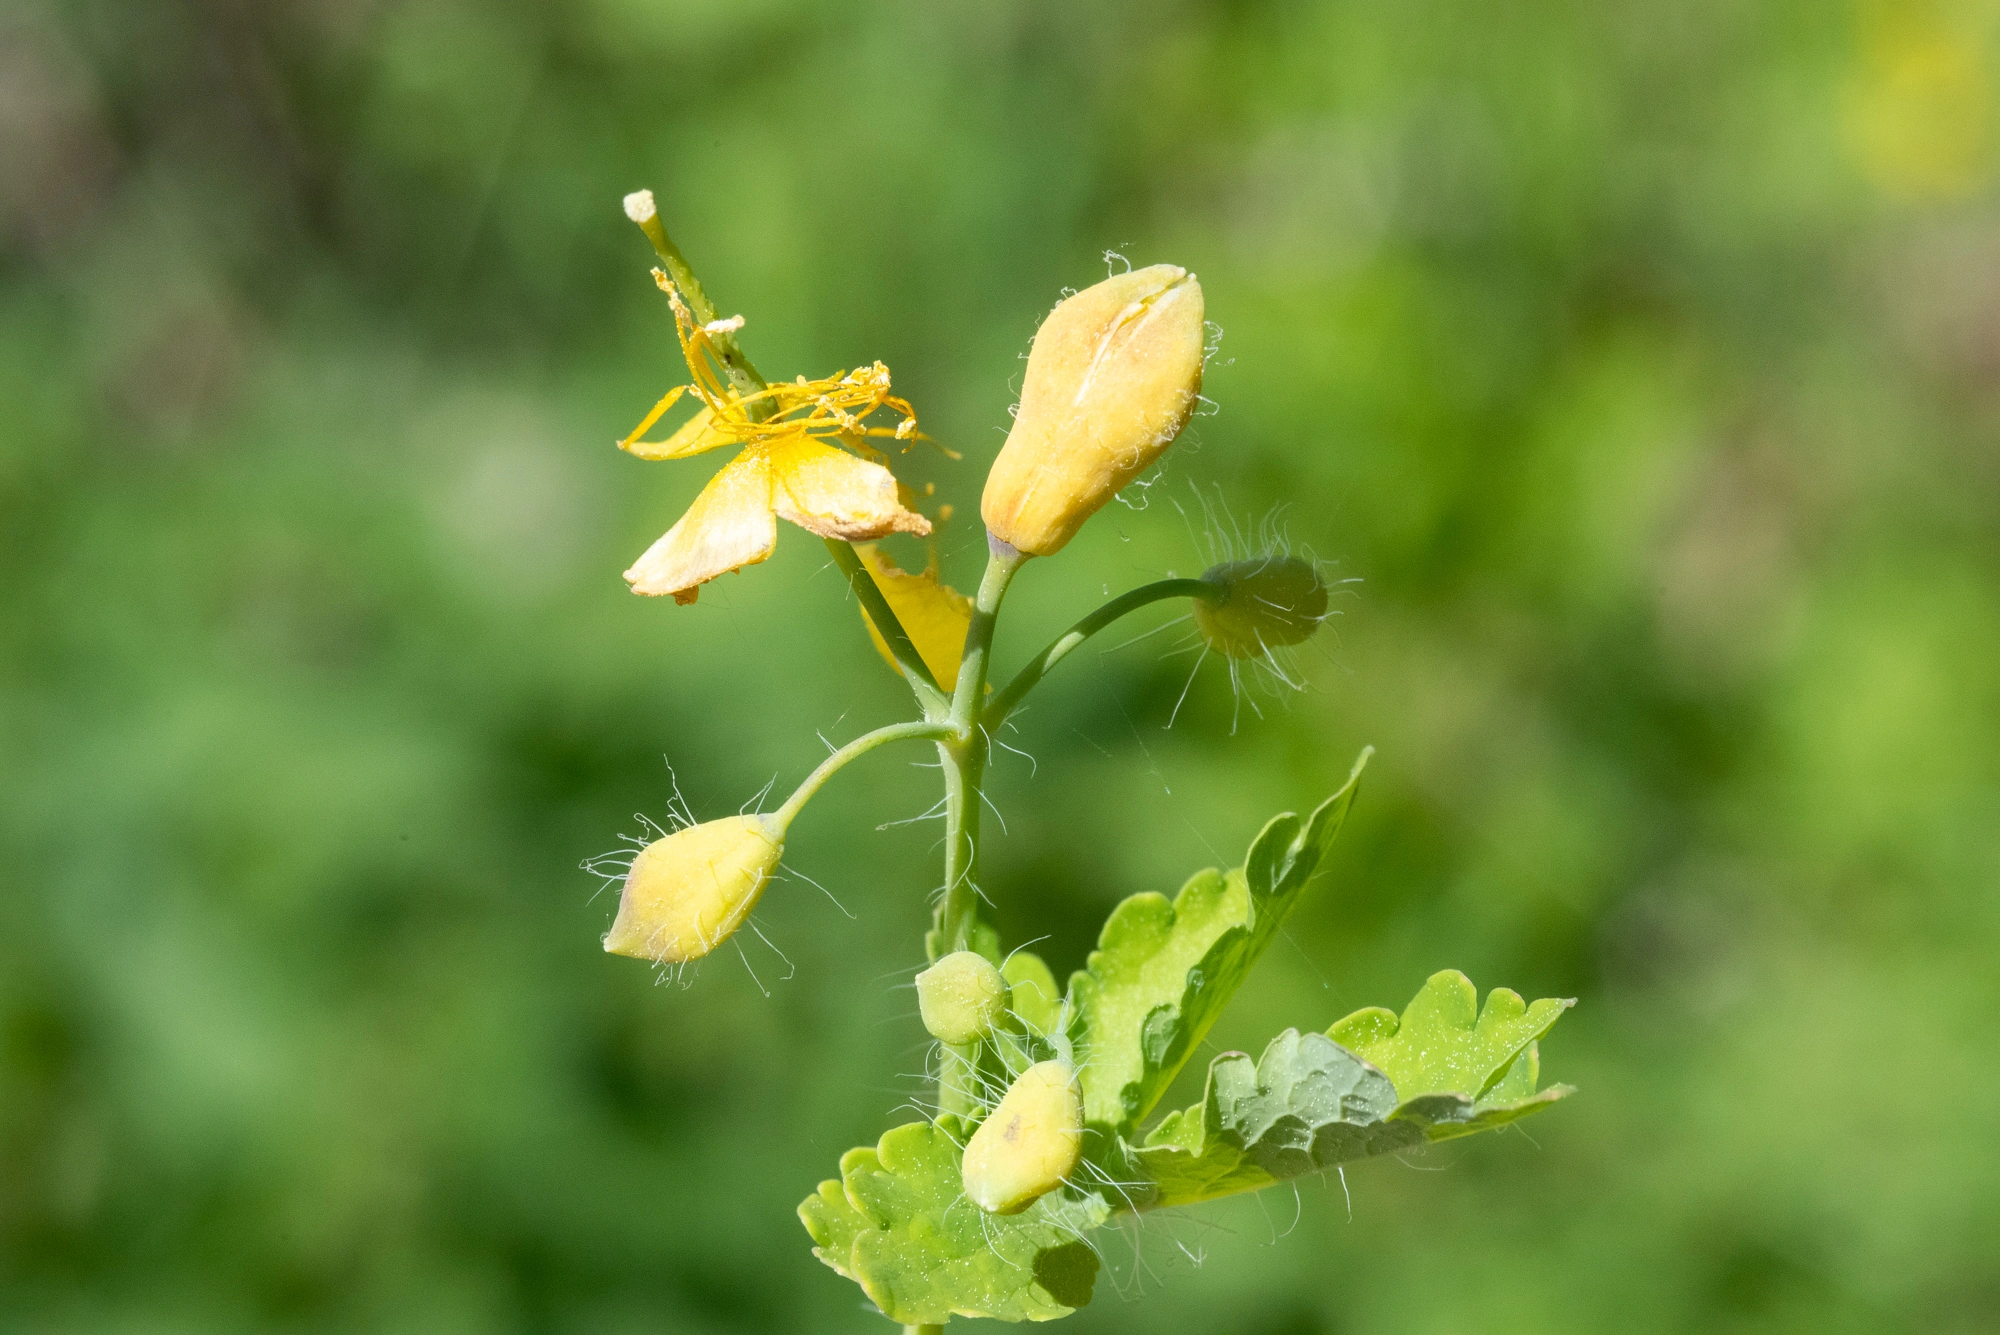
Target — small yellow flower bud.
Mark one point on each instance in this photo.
(688, 893)
(961, 996)
(1029, 1144)
(1112, 377)
(1260, 604)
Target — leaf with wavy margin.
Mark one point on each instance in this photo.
(1162, 971)
(898, 1223)
(1310, 1103)
(1443, 1043)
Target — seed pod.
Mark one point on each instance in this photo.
(961, 996)
(1029, 1144)
(1260, 604)
(688, 893)
(1111, 379)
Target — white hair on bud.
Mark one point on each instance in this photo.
(639, 206)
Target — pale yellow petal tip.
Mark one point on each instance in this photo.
(640, 208)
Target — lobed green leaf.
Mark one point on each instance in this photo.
(1443, 1043)
(1162, 971)
(1306, 1106)
(899, 1224)
(1312, 1103)
(897, 1220)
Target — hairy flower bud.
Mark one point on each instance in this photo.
(1111, 379)
(961, 996)
(1029, 1144)
(688, 893)
(1260, 604)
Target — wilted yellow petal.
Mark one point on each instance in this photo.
(935, 615)
(729, 526)
(832, 493)
(697, 435)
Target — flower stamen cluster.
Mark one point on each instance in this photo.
(805, 458)
(832, 408)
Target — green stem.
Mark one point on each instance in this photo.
(860, 746)
(929, 694)
(965, 761)
(923, 1330)
(1024, 681)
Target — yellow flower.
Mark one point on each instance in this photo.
(688, 893)
(787, 468)
(1112, 376)
(935, 615)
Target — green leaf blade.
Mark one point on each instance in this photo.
(1164, 970)
(923, 1253)
(1312, 1103)
(1306, 1106)
(1443, 1043)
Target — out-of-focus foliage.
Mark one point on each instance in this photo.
(1642, 360)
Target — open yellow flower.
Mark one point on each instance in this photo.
(787, 468)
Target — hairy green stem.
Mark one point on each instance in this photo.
(860, 746)
(964, 759)
(1024, 681)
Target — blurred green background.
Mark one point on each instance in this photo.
(1641, 361)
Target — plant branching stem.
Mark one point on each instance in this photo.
(960, 723)
(1024, 681)
(860, 746)
(964, 760)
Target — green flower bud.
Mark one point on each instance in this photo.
(1260, 604)
(1029, 1144)
(688, 893)
(1112, 377)
(961, 996)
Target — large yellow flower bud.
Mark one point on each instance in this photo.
(1029, 1144)
(688, 893)
(1112, 377)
